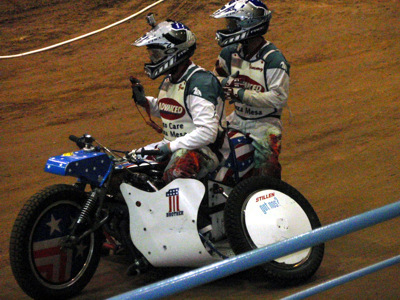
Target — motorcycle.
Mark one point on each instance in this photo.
(120, 202)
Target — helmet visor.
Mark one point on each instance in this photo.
(156, 54)
(232, 25)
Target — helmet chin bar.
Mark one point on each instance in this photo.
(154, 71)
(230, 38)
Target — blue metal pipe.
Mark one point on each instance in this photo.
(259, 256)
(343, 279)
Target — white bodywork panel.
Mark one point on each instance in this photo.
(163, 224)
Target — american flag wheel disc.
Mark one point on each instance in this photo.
(51, 263)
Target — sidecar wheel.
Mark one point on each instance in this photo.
(41, 267)
(261, 211)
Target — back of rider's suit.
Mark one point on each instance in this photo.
(264, 80)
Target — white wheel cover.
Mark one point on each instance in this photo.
(270, 217)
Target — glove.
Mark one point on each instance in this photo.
(219, 71)
(138, 92)
(229, 81)
(165, 151)
(233, 94)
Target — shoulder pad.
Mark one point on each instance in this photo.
(205, 85)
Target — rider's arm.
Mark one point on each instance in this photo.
(222, 65)
(153, 103)
(203, 97)
(206, 121)
(221, 69)
(275, 97)
(276, 77)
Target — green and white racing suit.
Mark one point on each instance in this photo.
(263, 83)
(192, 113)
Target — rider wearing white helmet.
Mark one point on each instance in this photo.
(189, 102)
(255, 77)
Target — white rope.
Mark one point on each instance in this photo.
(85, 35)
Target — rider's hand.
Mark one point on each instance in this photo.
(233, 94)
(165, 151)
(138, 92)
(230, 80)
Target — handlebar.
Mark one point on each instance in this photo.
(79, 141)
(144, 152)
(86, 142)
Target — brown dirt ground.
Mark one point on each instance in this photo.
(341, 144)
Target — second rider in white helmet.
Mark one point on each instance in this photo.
(255, 77)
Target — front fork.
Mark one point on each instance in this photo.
(90, 218)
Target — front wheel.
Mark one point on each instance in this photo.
(261, 211)
(42, 266)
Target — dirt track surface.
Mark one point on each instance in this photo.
(340, 148)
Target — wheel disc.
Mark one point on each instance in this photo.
(56, 267)
(269, 216)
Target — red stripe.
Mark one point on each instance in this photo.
(229, 173)
(63, 265)
(46, 252)
(232, 133)
(46, 271)
(245, 156)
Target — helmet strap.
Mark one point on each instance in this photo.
(149, 122)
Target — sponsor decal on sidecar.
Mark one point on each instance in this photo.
(264, 197)
(266, 206)
(173, 198)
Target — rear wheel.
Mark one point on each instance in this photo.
(261, 211)
(43, 268)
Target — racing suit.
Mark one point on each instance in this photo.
(262, 87)
(193, 120)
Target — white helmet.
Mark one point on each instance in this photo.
(169, 43)
(245, 18)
